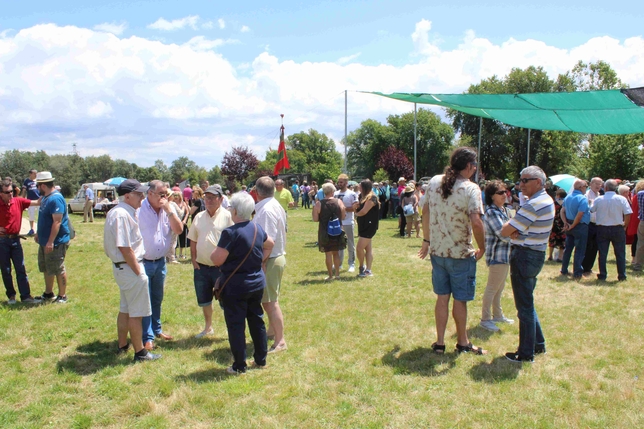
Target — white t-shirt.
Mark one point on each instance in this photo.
(270, 215)
(348, 197)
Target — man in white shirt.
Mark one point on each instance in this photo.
(123, 244)
(204, 235)
(272, 218)
(348, 198)
(613, 212)
(157, 222)
(591, 244)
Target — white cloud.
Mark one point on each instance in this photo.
(245, 29)
(112, 27)
(175, 24)
(143, 99)
(5, 33)
(222, 23)
(348, 58)
(208, 25)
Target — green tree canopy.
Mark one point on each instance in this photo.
(314, 152)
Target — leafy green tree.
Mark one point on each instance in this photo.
(162, 171)
(380, 175)
(181, 168)
(618, 157)
(16, 164)
(365, 145)
(320, 155)
(215, 176)
(68, 172)
(98, 168)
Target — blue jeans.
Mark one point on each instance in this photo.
(11, 251)
(156, 272)
(237, 310)
(605, 236)
(577, 238)
(525, 265)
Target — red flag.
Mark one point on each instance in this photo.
(282, 159)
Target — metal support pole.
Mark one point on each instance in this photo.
(415, 139)
(528, 157)
(345, 131)
(479, 151)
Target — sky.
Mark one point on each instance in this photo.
(147, 80)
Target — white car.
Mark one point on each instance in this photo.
(101, 192)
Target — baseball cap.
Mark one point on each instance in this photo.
(131, 185)
(214, 189)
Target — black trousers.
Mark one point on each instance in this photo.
(239, 309)
(591, 248)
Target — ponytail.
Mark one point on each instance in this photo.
(458, 162)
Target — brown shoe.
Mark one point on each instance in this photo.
(149, 345)
(164, 336)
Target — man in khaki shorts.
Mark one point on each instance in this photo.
(123, 244)
(270, 215)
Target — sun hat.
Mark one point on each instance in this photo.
(44, 176)
(409, 188)
(402, 179)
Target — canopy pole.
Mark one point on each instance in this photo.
(479, 152)
(415, 140)
(528, 157)
(345, 131)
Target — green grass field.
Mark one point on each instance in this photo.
(359, 352)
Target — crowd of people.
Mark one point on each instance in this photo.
(237, 246)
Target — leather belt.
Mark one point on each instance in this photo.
(118, 264)
(154, 260)
(10, 236)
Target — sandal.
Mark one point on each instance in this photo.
(470, 349)
(438, 349)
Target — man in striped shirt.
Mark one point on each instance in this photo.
(529, 229)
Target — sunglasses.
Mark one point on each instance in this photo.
(524, 181)
(500, 192)
(160, 194)
(7, 192)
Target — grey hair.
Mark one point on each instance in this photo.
(328, 188)
(623, 188)
(536, 172)
(243, 204)
(155, 184)
(610, 185)
(265, 187)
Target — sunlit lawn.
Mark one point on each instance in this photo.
(358, 352)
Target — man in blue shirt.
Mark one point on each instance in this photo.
(575, 214)
(53, 237)
(30, 191)
(88, 209)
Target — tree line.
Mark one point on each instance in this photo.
(386, 151)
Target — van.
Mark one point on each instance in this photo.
(101, 192)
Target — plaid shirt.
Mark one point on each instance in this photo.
(497, 248)
(640, 203)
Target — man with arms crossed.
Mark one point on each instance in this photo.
(157, 222)
(270, 215)
(123, 244)
(30, 191)
(530, 230)
(452, 213)
(53, 237)
(10, 247)
(204, 235)
(348, 197)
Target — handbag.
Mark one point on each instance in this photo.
(408, 209)
(219, 286)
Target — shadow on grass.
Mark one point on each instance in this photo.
(206, 376)
(188, 343)
(479, 333)
(92, 357)
(422, 361)
(222, 355)
(500, 369)
(19, 306)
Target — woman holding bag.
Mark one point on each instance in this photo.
(240, 253)
(329, 212)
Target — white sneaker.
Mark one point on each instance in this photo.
(503, 320)
(204, 333)
(11, 301)
(352, 268)
(489, 325)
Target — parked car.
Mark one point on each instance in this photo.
(101, 192)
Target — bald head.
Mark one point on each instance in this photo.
(610, 185)
(579, 185)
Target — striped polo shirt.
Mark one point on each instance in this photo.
(534, 222)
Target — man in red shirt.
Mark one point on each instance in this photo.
(11, 209)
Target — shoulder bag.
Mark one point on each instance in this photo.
(219, 286)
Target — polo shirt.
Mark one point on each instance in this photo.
(11, 214)
(534, 221)
(237, 240)
(640, 203)
(156, 231)
(284, 197)
(206, 231)
(577, 203)
(122, 230)
(610, 209)
(270, 215)
(51, 205)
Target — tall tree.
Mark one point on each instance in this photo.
(320, 155)
(395, 163)
(98, 168)
(238, 164)
(364, 146)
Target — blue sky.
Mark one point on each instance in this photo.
(142, 79)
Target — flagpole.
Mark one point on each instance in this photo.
(283, 166)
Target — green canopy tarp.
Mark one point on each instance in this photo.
(593, 112)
